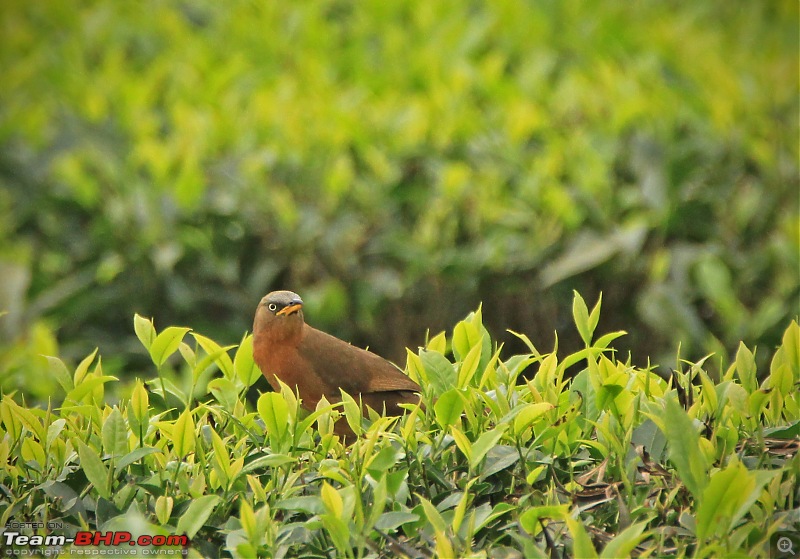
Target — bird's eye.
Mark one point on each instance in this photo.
(273, 307)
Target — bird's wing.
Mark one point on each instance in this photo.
(355, 370)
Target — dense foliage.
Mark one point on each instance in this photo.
(615, 461)
(396, 163)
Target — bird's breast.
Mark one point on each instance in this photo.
(285, 363)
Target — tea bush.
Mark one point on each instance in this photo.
(613, 462)
(400, 162)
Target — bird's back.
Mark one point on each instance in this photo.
(355, 370)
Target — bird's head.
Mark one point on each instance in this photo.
(279, 315)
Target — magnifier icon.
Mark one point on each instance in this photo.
(785, 545)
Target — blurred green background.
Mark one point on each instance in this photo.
(396, 163)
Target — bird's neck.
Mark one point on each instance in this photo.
(284, 332)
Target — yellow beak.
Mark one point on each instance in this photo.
(289, 309)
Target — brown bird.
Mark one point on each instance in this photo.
(318, 364)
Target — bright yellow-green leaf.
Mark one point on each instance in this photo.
(438, 343)
(183, 439)
(32, 450)
(145, 331)
(163, 509)
(248, 519)
(246, 369)
(17, 415)
(221, 456)
(529, 414)
(484, 444)
(469, 366)
(449, 407)
(581, 542)
(140, 402)
(196, 515)
(352, 413)
(332, 500)
(580, 314)
(215, 353)
(274, 411)
(166, 343)
(684, 447)
(83, 368)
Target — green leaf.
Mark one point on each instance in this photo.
(484, 443)
(790, 343)
(580, 314)
(221, 456)
(338, 531)
(485, 514)
(274, 411)
(530, 413)
(196, 515)
(378, 501)
(603, 341)
(61, 373)
(529, 520)
(225, 391)
(683, 443)
(54, 430)
(432, 515)
(386, 458)
(720, 498)
(352, 413)
(215, 353)
(246, 369)
(269, 461)
(115, 434)
(498, 459)
(145, 331)
(581, 542)
(437, 343)
(83, 368)
(86, 386)
(163, 509)
(140, 403)
(331, 499)
(32, 451)
(13, 415)
(248, 520)
(10, 420)
(93, 467)
(466, 336)
(134, 456)
(462, 442)
(469, 366)
(746, 368)
(439, 371)
(390, 521)
(728, 497)
(623, 543)
(594, 316)
(308, 504)
(449, 407)
(69, 498)
(183, 440)
(166, 343)
(170, 387)
(218, 357)
(784, 432)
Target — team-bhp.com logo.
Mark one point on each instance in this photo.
(18, 544)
